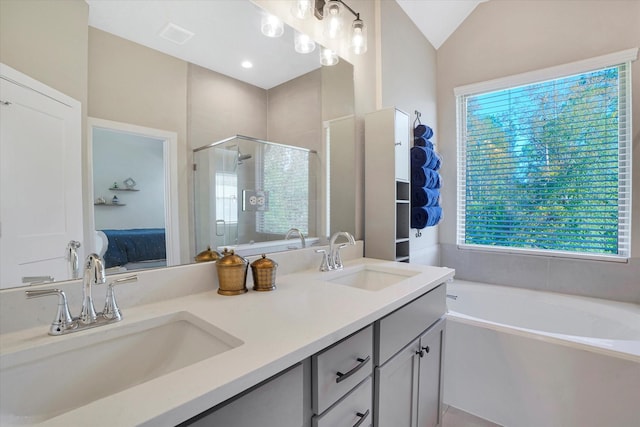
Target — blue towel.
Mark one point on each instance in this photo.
(423, 130)
(424, 197)
(424, 156)
(425, 216)
(425, 177)
(421, 141)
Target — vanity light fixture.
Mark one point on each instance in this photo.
(331, 12)
(303, 43)
(328, 57)
(272, 26)
(332, 18)
(246, 64)
(302, 9)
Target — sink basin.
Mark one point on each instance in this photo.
(43, 382)
(370, 277)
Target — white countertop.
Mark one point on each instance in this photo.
(278, 329)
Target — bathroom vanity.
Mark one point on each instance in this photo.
(348, 347)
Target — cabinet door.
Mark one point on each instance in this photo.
(430, 382)
(402, 145)
(396, 389)
(279, 402)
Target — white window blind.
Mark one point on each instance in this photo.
(544, 166)
(285, 175)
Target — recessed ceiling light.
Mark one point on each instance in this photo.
(247, 64)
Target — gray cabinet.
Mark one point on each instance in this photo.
(277, 402)
(408, 359)
(430, 376)
(339, 368)
(341, 382)
(396, 389)
(355, 409)
(335, 388)
(408, 388)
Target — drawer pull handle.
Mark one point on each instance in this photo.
(362, 418)
(342, 377)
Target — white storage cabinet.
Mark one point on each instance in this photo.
(387, 186)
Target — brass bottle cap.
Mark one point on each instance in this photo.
(230, 259)
(207, 255)
(264, 262)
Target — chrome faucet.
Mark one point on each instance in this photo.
(94, 274)
(73, 259)
(334, 260)
(294, 231)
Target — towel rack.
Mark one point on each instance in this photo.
(418, 115)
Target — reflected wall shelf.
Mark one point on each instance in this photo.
(122, 189)
(110, 204)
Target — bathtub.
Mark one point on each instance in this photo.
(524, 358)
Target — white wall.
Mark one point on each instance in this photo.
(116, 157)
(409, 83)
(502, 38)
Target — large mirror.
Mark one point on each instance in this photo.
(205, 100)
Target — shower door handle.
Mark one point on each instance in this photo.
(220, 222)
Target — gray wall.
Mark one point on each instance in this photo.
(409, 83)
(220, 107)
(130, 83)
(502, 38)
(48, 41)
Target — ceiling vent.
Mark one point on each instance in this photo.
(175, 33)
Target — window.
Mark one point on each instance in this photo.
(285, 176)
(544, 161)
(227, 197)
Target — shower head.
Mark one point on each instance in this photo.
(242, 157)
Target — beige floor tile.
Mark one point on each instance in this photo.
(454, 417)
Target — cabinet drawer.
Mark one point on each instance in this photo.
(338, 369)
(395, 330)
(354, 410)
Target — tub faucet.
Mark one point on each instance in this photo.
(93, 275)
(334, 260)
(292, 232)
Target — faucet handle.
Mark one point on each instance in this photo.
(63, 321)
(111, 310)
(324, 266)
(337, 259)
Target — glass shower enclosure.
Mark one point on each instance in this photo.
(248, 193)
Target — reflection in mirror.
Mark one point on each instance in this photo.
(133, 196)
(133, 82)
(249, 193)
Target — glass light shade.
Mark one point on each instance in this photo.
(358, 37)
(328, 57)
(303, 43)
(271, 26)
(302, 9)
(332, 19)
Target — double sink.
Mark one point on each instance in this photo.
(42, 382)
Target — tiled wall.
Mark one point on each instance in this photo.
(599, 279)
